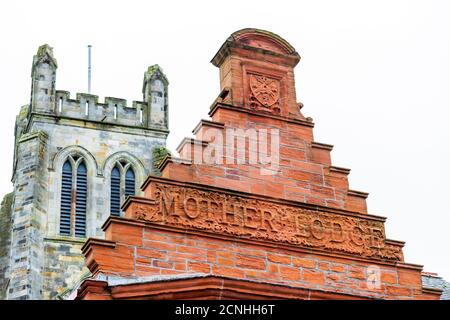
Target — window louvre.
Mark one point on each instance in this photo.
(81, 194)
(129, 183)
(123, 184)
(115, 192)
(66, 199)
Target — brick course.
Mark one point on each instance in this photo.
(249, 261)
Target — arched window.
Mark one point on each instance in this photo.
(66, 199)
(123, 184)
(74, 192)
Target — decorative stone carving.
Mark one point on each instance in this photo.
(148, 213)
(260, 219)
(265, 90)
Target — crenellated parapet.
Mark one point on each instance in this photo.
(112, 110)
(151, 113)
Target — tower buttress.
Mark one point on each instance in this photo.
(43, 77)
(155, 91)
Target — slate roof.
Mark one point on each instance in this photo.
(431, 280)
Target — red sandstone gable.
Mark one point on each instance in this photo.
(285, 227)
(305, 171)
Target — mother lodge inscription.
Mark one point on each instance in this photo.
(225, 213)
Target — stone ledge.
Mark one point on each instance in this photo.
(112, 124)
(219, 105)
(432, 291)
(191, 141)
(137, 199)
(323, 146)
(359, 194)
(32, 135)
(340, 170)
(208, 123)
(95, 241)
(166, 160)
(65, 239)
(395, 242)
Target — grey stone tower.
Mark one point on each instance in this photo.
(75, 160)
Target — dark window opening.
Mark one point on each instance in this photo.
(115, 191)
(66, 199)
(123, 184)
(74, 192)
(129, 183)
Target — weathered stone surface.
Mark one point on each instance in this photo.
(52, 128)
(64, 264)
(5, 241)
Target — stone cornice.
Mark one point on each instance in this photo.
(207, 123)
(286, 51)
(191, 141)
(136, 199)
(77, 122)
(359, 194)
(170, 159)
(94, 241)
(340, 170)
(324, 146)
(435, 291)
(222, 105)
(65, 239)
(41, 135)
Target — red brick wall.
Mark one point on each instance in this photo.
(145, 250)
(305, 170)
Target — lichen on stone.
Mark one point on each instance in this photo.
(159, 154)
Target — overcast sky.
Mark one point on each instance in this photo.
(374, 76)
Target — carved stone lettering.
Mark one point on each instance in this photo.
(224, 213)
(357, 236)
(337, 234)
(190, 206)
(317, 229)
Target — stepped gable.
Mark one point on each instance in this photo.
(249, 61)
(288, 219)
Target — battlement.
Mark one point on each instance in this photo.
(151, 113)
(112, 110)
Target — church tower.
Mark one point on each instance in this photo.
(76, 160)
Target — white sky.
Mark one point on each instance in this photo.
(374, 76)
